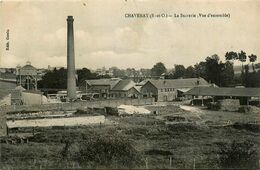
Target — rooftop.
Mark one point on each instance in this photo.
(224, 91)
(179, 83)
(106, 82)
(124, 85)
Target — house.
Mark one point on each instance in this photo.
(169, 89)
(27, 76)
(243, 94)
(125, 88)
(101, 86)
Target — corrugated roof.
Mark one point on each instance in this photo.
(224, 91)
(110, 82)
(179, 83)
(124, 85)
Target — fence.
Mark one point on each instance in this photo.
(78, 105)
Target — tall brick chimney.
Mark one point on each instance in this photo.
(71, 73)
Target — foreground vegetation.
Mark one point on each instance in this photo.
(140, 142)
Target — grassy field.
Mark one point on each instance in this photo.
(210, 139)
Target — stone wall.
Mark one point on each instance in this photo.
(166, 96)
(229, 105)
(78, 105)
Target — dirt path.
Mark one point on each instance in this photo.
(194, 110)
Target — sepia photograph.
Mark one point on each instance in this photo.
(129, 84)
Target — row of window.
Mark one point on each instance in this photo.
(118, 95)
(167, 89)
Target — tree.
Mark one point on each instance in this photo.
(54, 79)
(179, 71)
(238, 155)
(200, 69)
(190, 72)
(158, 69)
(242, 58)
(231, 56)
(58, 78)
(213, 69)
(252, 59)
(118, 72)
(85, 74)
(227, 74)
(145, 72)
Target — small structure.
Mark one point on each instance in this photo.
(169, 89)
(16, 96)
(243, 94)
(20, 96)
(26, 76)
(125, 88)
(101, 86)
(33, 98)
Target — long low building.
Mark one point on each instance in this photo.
(225, 92)
(159, 89)
(170, 89)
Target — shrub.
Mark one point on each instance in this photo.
(242, 155)
(98, 151)
(247, 126)
(158, 152)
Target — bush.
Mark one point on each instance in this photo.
(247, 126)
(213, 106)
(98, 151)
(158, 152)
(90, 111)
(242, 155)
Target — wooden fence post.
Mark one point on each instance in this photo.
(146, 163)
(170, 162)
(194, 163)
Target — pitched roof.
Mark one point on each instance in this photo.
(224, 91)
(19, 88)
(179, 83)
(28, 67)
(124, 85)
(138, 88)
(107, 82)
(142, 82)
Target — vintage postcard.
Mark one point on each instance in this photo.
(129, 84)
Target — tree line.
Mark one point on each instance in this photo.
(216, 71)
(58, 78)
(211, 69)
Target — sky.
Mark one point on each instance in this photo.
(104, 37)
